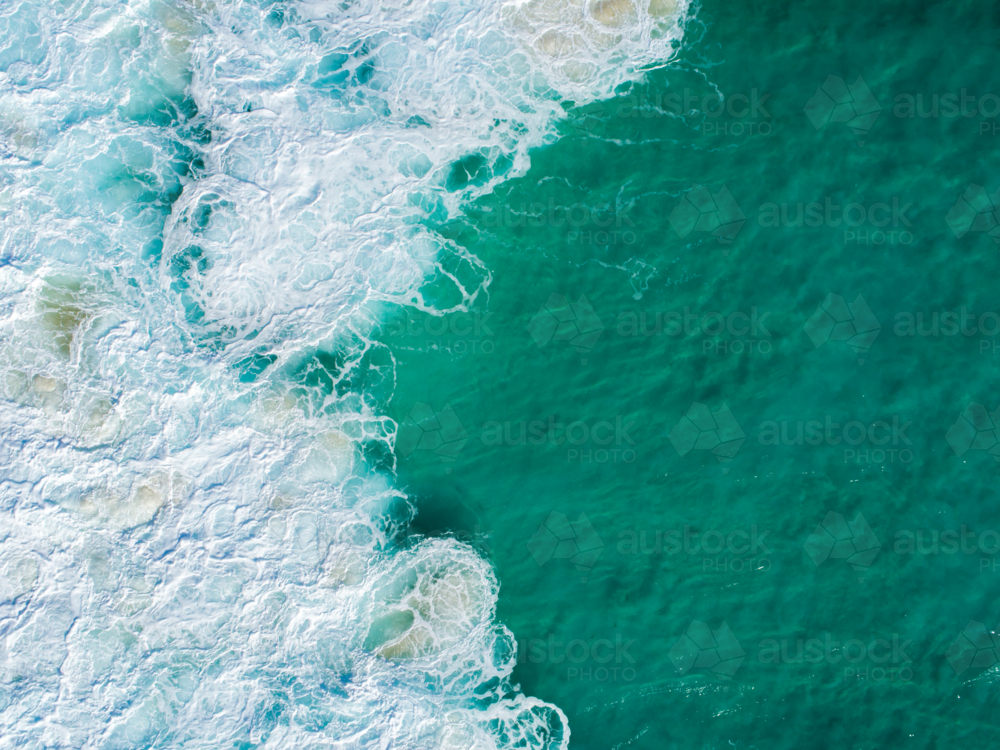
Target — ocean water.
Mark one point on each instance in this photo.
(498, 375)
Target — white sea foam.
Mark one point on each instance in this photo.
(194, 549)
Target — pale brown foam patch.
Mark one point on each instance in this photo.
(614, 13)
(48, 365)
(329, 460)
(122, 506)
(180, 28)
(18, 575)
(64, 313)
(459, 734)
(19, 136)
(42, 392)
(326, 457)
(345, 567)
(570, 35)
(88, 418)
(663, 8)
(51, 344)
(432, 602)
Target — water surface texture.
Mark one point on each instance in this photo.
(498, 375)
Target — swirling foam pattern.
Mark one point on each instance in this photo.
(204, 207)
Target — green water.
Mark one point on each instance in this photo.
(883, 675)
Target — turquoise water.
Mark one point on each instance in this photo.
(623, 166)
(471, 375)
